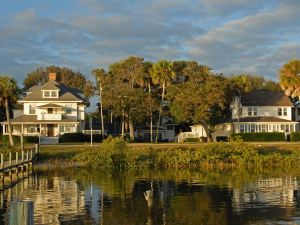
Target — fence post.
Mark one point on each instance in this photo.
(17, 158)
(36, 149)
(2, 160)
(22, 156)
(10, 161)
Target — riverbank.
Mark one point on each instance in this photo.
(118, 154)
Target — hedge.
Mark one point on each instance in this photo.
(295, 136)
(17, 139)
(79, 137)
(270, 136)
(192, 140)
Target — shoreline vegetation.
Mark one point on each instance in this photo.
(116, 154)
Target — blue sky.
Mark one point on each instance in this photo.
(236, 36)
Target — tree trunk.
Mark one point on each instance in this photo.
(131, 130)
(151, 125)
(160, 111)
(207, 131)
(11, 140)
(151, 117)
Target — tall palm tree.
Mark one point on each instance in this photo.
(162, 74)
(8, 94)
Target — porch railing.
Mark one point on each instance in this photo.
(47, 116)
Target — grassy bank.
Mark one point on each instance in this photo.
(116, 154)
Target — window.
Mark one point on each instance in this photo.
(31, 109)
(285, 111)
(279, 111)
(282, 127)
(33, 129)
(50, 110)
(249, 111)
(66, 128)
(50, 94)
(53, 94)
(292, 128)
(263, 128)
(252, 128)
(242, 128)
(298, 111)
(252, 111)
(171, 127)
(287, 128)
(61, 128)
(46, 94)
(274, 128)
(68, 109)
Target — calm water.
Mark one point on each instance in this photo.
(79, 196)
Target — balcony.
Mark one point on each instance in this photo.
(51, 116)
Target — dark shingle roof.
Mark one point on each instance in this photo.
(265, 98)
(65, 93)
(33, 119)
(50, 85)
(262, 119)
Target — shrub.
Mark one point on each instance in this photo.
(267, 136)
(31, 139)
(221, 138)
(111, 154)
(72, 137)
(295, 136)
(96, 137)
(192, 140)
(17, 139)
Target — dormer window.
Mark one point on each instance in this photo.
(54, 94)
(46, 94)
(50, 94)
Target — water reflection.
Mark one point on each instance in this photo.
(77, 196)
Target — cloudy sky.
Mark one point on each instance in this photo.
(233, 36)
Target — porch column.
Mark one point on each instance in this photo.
(58, 129)
(40, 128)
(22, 128)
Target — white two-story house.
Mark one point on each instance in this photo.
(261, 111)
(49, 110)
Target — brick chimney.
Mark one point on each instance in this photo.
(52, 76)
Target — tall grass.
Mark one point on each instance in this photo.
(115, 154)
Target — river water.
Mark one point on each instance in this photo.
(75, 195)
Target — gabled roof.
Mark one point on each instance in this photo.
(262, 119)
(50, 85)
(65, 93)
(266, 98)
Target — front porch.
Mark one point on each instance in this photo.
(39, 129)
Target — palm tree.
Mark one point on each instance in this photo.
(8, 94)
(162, 74)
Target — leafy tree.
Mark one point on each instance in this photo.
(198, 99)
(244, 83)
(124, 90)
(65, 75)
(8, 94)
(289, 76)
(162, 74)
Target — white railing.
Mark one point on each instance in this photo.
(183, 135)
(46, 116)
